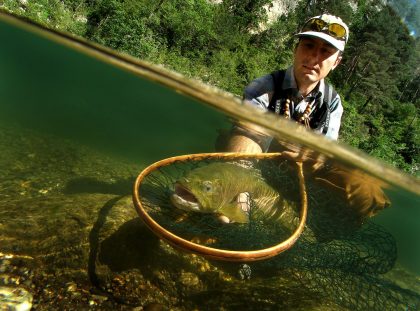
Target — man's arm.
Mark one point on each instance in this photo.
(244, 140)
(240, 143)
(259, 92)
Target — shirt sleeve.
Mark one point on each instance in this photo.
(259, 91)
(335, 119)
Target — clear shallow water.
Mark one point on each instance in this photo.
(74, 134)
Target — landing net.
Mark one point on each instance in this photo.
(268, 231)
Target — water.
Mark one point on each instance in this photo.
(74, 134)
(52, 89)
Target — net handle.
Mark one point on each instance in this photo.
(215, 253)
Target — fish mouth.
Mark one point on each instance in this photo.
(183, 199)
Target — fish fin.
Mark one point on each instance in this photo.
(204, 240)
(234, 212)
(182, 217)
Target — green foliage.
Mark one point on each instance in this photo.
(229, 44)
(353, 130)
(409, 11)
(188, 25)
(111, 23)
(385, 141)
(52, 13)
(309, 8)
(380, 51)
(245, 14)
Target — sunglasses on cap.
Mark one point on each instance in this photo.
(335, 30)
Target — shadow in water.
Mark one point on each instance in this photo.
(92, 185)
(133, 245)
(94, 237)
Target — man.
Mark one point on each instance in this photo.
(301, 94)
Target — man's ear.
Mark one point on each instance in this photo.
(337, 61)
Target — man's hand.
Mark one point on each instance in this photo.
(313, 161)
(364, 193)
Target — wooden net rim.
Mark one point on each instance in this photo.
(215, 253)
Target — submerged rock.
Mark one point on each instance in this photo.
(15, 299)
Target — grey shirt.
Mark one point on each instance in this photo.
(260, 91)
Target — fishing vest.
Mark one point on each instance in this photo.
(320, 117)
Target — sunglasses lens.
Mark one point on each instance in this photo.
(337, 30)
(317, 24)
(314, 24)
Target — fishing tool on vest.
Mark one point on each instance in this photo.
(304, 119)
(287, 109)
(321, 108)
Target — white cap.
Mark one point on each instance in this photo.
(329, 19)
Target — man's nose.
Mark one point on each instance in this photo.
(316, 54)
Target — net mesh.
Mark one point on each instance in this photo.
(336, 256)
(204, 228)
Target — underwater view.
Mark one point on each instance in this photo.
(77, 130)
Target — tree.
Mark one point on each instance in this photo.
(247, 15)
(379, 53)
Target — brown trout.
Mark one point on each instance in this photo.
(215, 189)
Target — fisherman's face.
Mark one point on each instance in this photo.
(314, 59)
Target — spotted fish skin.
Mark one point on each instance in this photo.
(214, 188)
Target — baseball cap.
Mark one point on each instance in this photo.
(327, 27)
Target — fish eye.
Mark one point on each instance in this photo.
(207, 186)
